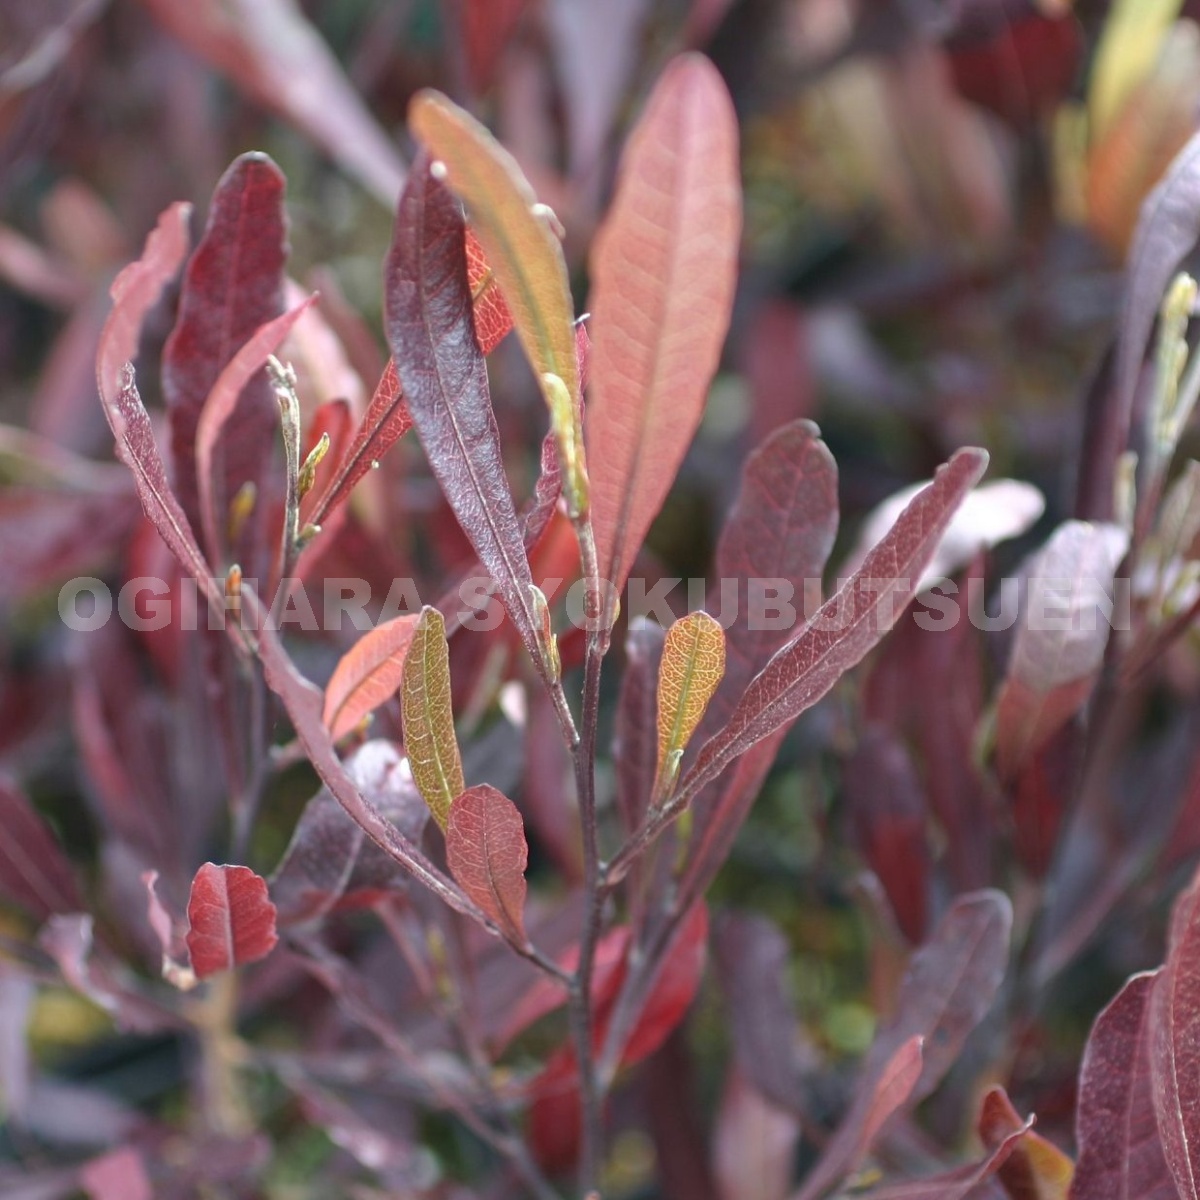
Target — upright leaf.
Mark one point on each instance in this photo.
(1174, 1049)
(232, 286)
(367, 674)
(231, 919)
(754, 1147)
(428, 716)
(428, 304)
(487, 854)
(664, 265)
(1059, 647)
(634, 748)
(34, 871)
(693, 661)
(519, 239)
(1120, 1152)
(845, 628)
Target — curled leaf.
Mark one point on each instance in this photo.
(428, 716)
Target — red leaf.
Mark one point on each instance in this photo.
(880, 1096)
(232, 921)
(1174, 1048)
(487, 26)
(487, 854)
(428, 305)
(489, 312)
(1120, 1152)
(663, 266)
(845, 628)
(367, 674)
(232, 286)
(34, 871)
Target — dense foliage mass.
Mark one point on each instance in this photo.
(458, 749)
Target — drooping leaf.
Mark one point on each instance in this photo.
(752, 960)
(428, 306)
(1060, 643)
(231, 919)
(663, 270)
(367, 674)
(1173, 1048)
(949, 986)
(34, 871)
(270, 50)
(330, 861)
(880, 1095)
(845, 628)
(754, 1146)
(219, 407)
(487, 854)
(232, 286)
(692, 664)
(428, 715)
(1036, 1169)
(1120, 1152)
(519, 240)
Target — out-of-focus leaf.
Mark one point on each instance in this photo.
(692, 664)
(752, 961)
(220, 406)
(663, 267)
(330, 861)
(1120, 1152)
(1036, 1169)
(1059, 646)
(546, 797)
(888, 817)
(1173, 1048)
(754, 1146)
(117, 1175)
(445, 379)
(232, 286)
(273, 54)
(34, 871)
(367, 674)
(428, 716)
(487, 854)
(519, 240)
(989, 515)
(231, 919)
(949, 986)
(845, 628)
(487, 26)
(880, 1096)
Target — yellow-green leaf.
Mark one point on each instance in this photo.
(428, 716)
(693, 662)
(517, 233)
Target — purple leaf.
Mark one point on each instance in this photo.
(442, 370)
(34, 871)
(1120, 1152)
(845, 628)
(330, 860)
(117, 1175)
(1174, 1049)
(635, 748)
(754, 1146)
(233, 285)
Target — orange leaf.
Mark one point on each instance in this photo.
(367, 674)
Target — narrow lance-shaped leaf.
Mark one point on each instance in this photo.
(693, 661)
(664, 265)
(846, 627)
(34, 871)
(232, 920)
(1120, 1152)
(387, 418)
(428, 716)
(487, 854)
(517, 234)
(428, 305)
(367, 674)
